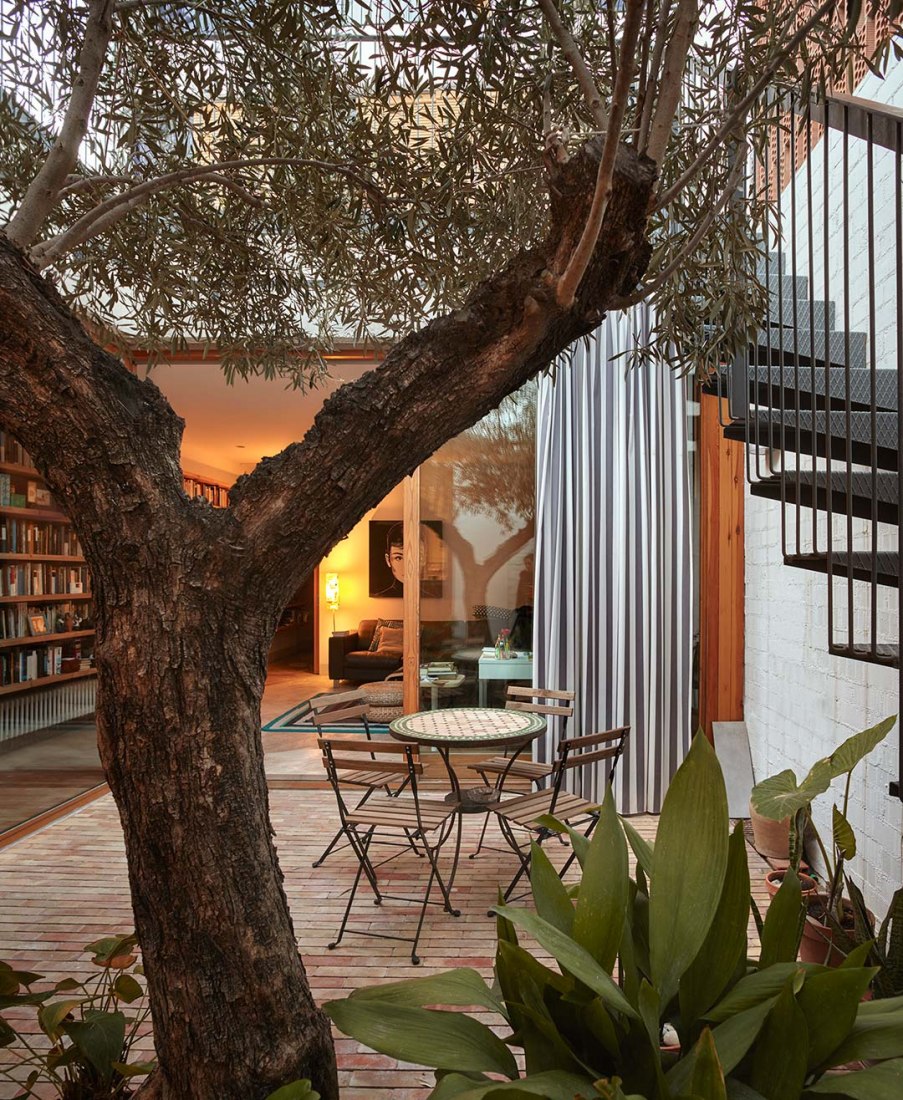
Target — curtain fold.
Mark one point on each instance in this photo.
(613, 618)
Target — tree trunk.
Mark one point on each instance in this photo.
(182, 669)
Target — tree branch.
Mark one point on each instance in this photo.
(686, 249)
(742, 107)
(652, 80)
(75, 184)
(575, 59)
(43, 191)
(116, 207)
(671, 86)
(577, 264)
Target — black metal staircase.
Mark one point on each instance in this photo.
(818, 395)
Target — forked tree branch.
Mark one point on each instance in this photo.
(116, 207)
(575, 59)
(566, 288)
(43, 191)
(672, 82)
(652, 79)
(738, 112)
(691, 243)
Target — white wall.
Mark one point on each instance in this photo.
(800, 702)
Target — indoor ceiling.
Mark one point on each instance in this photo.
(229, 428)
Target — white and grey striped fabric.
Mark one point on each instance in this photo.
(614, 614)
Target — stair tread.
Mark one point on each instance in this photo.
(770, 378)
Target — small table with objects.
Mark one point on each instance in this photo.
(469, 728)
(519, 666)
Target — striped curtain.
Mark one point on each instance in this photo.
(614, 575)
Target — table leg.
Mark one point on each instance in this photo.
(482, 692)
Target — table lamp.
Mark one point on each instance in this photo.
(332, 595)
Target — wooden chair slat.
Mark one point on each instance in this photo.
(546, 693)
(540, 708)
(361, 744)
(498, 765)
(577, 760)
(393, 766)
(589, 739)
(367, 779)
(329, 717)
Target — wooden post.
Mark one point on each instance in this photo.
(411, 611)
(721, 571)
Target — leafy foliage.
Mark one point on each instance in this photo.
(748, 1029)
(376, 160)
(91, 1026)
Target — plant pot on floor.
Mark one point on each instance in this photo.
(770, 838)
(774, 879)
(817, 944)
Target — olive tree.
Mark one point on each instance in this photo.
(475, 184)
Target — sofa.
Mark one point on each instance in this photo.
(440, 640)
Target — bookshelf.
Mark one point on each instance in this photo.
(46, 619)
(214, 492)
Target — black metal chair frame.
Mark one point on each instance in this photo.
(523, 699)
(571, 754)
(326, 709)
(361, 836)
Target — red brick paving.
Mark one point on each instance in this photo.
(66, 885)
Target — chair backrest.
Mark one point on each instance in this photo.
(576, 752)
(531, 700)
(344, 754)
(347, 706)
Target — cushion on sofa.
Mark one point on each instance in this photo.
(390, 638)
(381, 625)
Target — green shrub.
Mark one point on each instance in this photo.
(677, 934)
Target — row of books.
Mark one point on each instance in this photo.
(19, 621)
(17, 491)
(215, 494)
(20, 665)
(12, 451)
(18, 536)
(43, 580)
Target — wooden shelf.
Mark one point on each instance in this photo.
(34, 513)
(42, 639)
(35, 599)
(15, 468)
(73, 559)
(43, 681)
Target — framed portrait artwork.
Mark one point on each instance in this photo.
(387, 559)
(37, 624)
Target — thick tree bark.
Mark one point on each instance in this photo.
(187, 599)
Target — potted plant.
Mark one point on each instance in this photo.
(677, 933)
(834, 923)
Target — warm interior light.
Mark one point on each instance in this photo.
(332, 595)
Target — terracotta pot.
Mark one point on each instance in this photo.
(770, 838)
(817, 944)
(774, 879)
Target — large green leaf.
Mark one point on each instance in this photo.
(296, 1090)
(688, 863)
(779, 1057)
(781, 796)
(783, 926)
(830, 1003)
(550, 895)
(725, 944)
(99, 1037)
(579, 842)
(844, 837)
(707, 1081)
(846, 756)
(569, 955)
(462, 986)
(873, 1035)
(642, 849)
(443, 1040)
(881, 1082)
(554, 1085)
(51, 1016)
(733, 1038)
(759, 986)
(602, 903)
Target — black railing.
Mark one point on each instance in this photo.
(819, 404)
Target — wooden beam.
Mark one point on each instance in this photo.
(721, 571)
(411, 608)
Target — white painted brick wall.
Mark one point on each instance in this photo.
(800, 702)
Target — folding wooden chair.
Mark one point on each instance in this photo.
(428, 822)
(496, 771)
(350, 706)
(522, 812)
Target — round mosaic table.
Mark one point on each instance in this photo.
(469, 728)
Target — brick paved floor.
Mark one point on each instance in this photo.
(66, 885)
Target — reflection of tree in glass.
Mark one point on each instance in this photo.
(488, 470)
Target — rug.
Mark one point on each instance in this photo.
(297, 720)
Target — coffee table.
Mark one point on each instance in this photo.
(468, 728)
